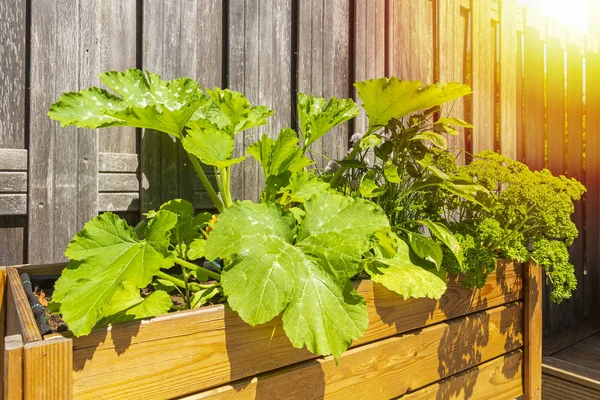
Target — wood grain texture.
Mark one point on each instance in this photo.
(585, 353)
(412, 360)
(452, 63)
(483, 67)
(571, 371)
(533, 331)
(534, 131)
(2, 319)
(12, 385)
(260, 54)
(13, 182)
(118, 183)
(556, 388)
(118, 202)
(498, 379)
(48, 369)
(118, 162)
(12, 74)
(13, 204)
(369, 56)
(19, 312)
(13, 160)
(173, 39)
(233, 350)
(508, 78)
(571, 336)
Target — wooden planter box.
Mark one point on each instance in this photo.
(477, 344)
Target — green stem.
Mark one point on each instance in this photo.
(194, 286)
(206, 183)
(225, 176)
(338, 174)
(193, 267)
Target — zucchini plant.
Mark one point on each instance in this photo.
(295, 252)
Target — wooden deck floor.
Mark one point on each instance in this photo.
(571, 364)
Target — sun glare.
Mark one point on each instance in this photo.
(570, 12)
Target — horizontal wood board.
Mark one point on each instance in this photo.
(116, 361)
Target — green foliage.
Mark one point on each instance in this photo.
(528, 208)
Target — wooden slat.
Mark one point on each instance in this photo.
(386, 369)
(13, 160)
(48, 369)
(453, 56)
(118, 162)
(562, 389)
(2, 319)
(13, 204)
(20, 311)
(483, 67)
(13, 182)
(571, 371)
(533, 82)
(118, 183)
(12, 74)
(585, 353)
(508, 78)
(119, 202)
(592, 197)
(13, 368)
(533, 331)
(233, 350)
(498, 379)
(369, 59)
(260, 58)
(571, 336)
(173, 39)
(62, 161)
(112, 45)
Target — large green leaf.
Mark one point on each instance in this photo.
(145, 101)
(188, 226)
(238, 110)
(405, 274)
(392, 98)
(425, 248)
(318, 115)
(280, 155)
(127, 304)
(111, 256)
(302, 271)
(211, 145)
(445, 236)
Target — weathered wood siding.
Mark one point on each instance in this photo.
(535, 98)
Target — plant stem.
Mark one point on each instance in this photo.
(206, 183)
(193, 267)
(338, 174)
(194, 286)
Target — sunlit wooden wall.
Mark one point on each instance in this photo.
(536, 98)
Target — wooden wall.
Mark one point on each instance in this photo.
(535, 98)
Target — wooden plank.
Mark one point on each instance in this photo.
(27, 327)
(13, 182)
(13, 30)
(118, 202)
(366, 372)
(369, 59)
(12, 237)
(171, 46)
(13, 204)
(571, 371)
(115, 26)
(13, 368)
(560, 389)
(483, 67)
(533, 331)
(585, 353)
(453, 63)
(411, 44)
(63, 161)
(568, 337)
(260, 54)
(118, 182)
(508, 78)
(574, 307)
(2, 320)
(498, 379)
(592, 177)
(48, 369)
(118, 162)
(533, 83)
(233, 350)
(13, 160)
